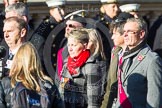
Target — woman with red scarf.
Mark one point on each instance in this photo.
(82, 74)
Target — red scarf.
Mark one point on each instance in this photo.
(78, 61)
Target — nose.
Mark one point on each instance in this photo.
(6, 34)
(69, 48)
(125, 33)
(68, 29)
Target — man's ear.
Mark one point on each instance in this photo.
(23, 32)
(25, 18)
(102, 9)
(142, 34)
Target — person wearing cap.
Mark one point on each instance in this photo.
(47, 29)
(57, 40)
(117, 36)
(131, 8)
(73, 22)
(56, 11)
(110, 10)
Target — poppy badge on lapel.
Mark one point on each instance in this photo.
(140, 57)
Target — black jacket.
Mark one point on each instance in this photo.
(48, 97)
(5, 93)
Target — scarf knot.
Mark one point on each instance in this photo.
(78, 61)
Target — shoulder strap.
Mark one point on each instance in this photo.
(14, 98)
(19, 87)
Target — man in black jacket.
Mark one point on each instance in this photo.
(15, 32)
(109, 11)
(52, 28)
(21, 10)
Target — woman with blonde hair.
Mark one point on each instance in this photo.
(81, 85)
(95, 46)
(95, 43)
(26, 73)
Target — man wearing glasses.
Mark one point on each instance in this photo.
(74, 21)
(56, 33)
(140, 70)
(118, 39)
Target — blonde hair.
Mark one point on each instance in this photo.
(80, 35)
(95, 37)
(27, 68)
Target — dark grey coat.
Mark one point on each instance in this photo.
(86, 89)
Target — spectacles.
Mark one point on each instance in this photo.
(70, 25)
(130, 32)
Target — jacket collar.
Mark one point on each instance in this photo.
(134, 50)
(137, 57)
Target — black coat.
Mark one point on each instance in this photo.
(54, 42)
(36, 39)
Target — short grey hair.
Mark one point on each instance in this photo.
(142, 25)
(20, 8)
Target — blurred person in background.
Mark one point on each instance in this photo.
(117, 36)
(95, 46)
(57, 13)
(131, 8)
(155, 35)
(9, 2)
(110, 11)
(52, 28)
(14, 35)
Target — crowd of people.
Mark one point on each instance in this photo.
(73, 61)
